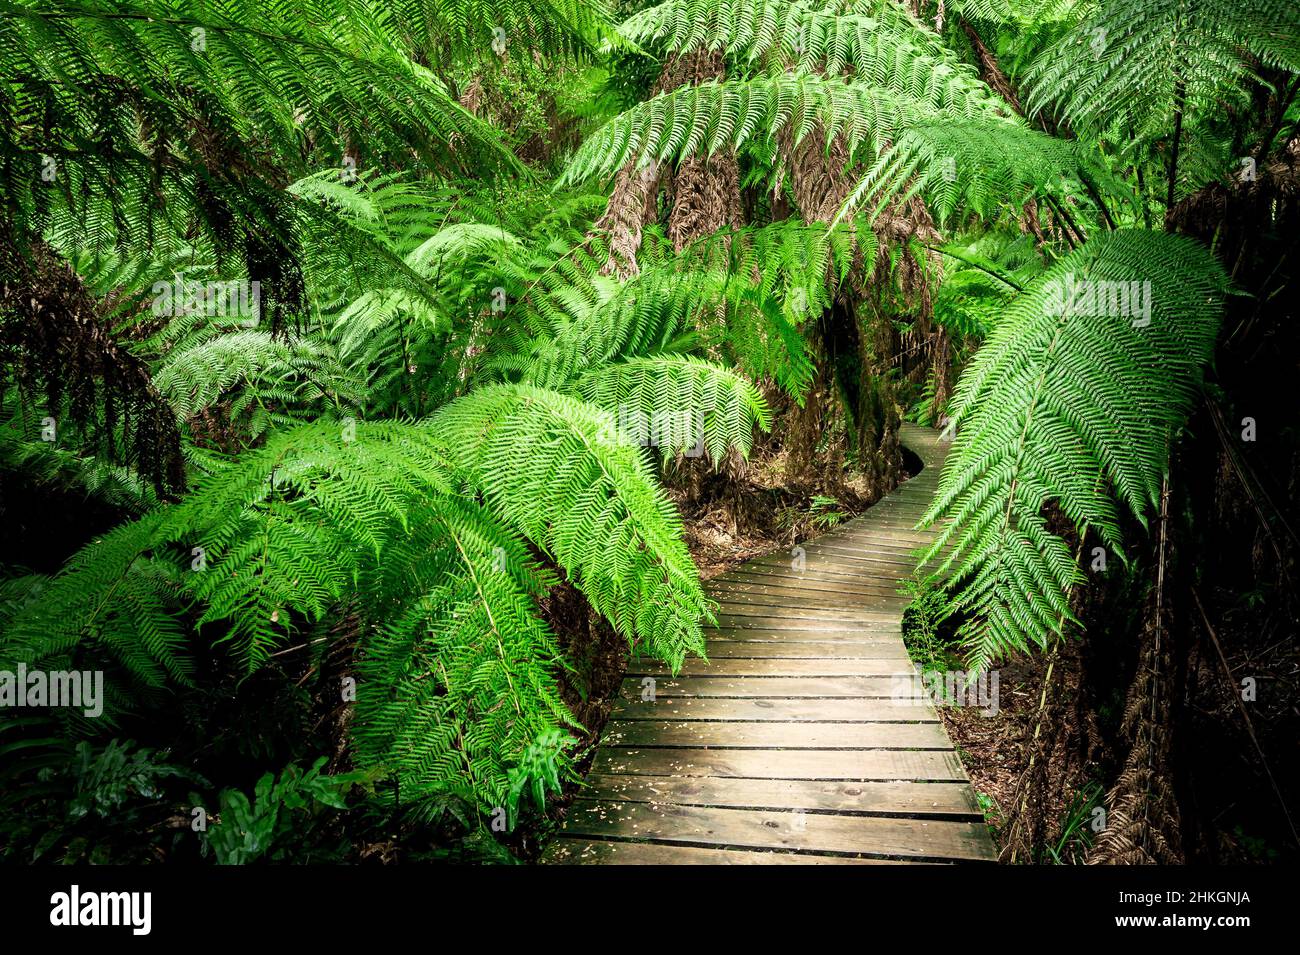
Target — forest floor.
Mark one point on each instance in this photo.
(762, 514)
(991, 747)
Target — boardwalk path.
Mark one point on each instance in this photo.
(791, 745)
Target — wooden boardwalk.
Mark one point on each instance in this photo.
(803, 739)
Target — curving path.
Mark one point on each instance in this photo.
(803, 739)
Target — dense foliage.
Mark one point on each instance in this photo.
(349, 337)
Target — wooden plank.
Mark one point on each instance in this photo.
(750, 828)
(788, 585)
(883, 517)
(769, 735)
(740, 628)
(873, 543)
(953, 800)
(850, 610)
(916, 501)
(905, 495)
(873, 553)
(900, 552)
(889, 511)
(785, 584)
(856, 557)
(774, 666)
(816, 572)
(567, 851)
(816, 558)
(845, 764)
(916, 497)
(835, 566)
(874, 636)
(734, 602)
(746, 621)
(896, 526)
(879, 611)
(886, 513)
(787, 592)
(811, 687)
(853, 557)
(879, 650)
(839, 709)
(745, 608)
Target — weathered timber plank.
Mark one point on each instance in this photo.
(774, 666)
(849, 607)
(879, 650)
(845, 764)
(762, 619)
(567, 851)
(811, 687)
(768, 735)
(837, 709)
(788, 583)
(901, 799)
(877, 635)
(746, 828)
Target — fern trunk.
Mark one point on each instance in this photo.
(857, 355)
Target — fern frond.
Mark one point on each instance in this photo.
(460, 677)
(553, 468)
(465, 29)
(878, 41)
(1126, 69)
(252, 369)
(982, 166)
(44, 463)
(1074, 401)
(676, 403)
(258, 78)
(716, 116)
(116, 596)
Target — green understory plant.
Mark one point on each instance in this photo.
(278, 819)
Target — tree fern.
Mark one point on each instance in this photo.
(598, 320)
(460, 675)
(1013, 11)
(555, 469)
(465, 29)
(878, 41)
(1122, 63)
(340, 73)
(981, 277)
(739, 293)
(1068, 406)
(1127, 73)
(23, 456)
(265, 379)
(118, 597)
(713, 116)
(332, 513)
